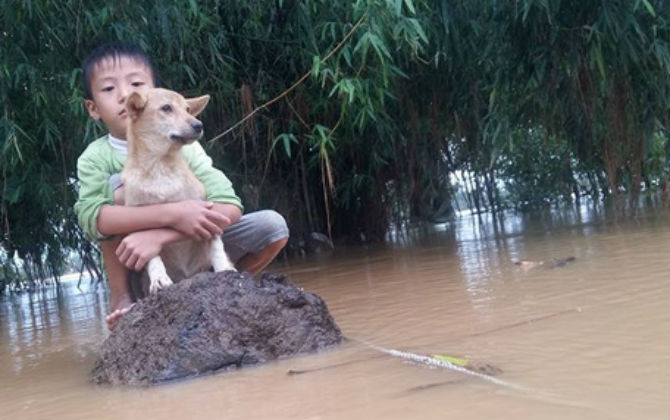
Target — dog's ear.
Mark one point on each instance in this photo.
(135, 104)
(196, 105)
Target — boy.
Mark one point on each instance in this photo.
(130, 236)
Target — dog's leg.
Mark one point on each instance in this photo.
(218, 256)
(158, 276)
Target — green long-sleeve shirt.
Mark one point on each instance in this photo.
(100, 161)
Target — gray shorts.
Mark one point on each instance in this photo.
(253, 232)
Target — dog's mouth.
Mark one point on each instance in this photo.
(183, 139)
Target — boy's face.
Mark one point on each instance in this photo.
(112, 81)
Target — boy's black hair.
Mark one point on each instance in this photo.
(115, 50)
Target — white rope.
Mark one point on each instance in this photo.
(431, 361)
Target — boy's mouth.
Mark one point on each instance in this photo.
(122, 113)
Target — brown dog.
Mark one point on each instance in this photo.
(161, 122)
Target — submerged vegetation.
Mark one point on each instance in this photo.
(523, 103)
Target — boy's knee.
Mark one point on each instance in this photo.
(277, 245)
(254, 233)
(272, 224)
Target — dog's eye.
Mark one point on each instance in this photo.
(166, 108)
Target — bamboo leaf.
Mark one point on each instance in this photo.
(286, 139)
(419, 30)
(316, 63)
(648, 6)
(410, 6)
(597, 56)
(397, 7)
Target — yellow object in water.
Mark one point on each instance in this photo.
(458, 361)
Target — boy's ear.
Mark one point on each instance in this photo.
(135, 104)
(92, 109)
(196, 105)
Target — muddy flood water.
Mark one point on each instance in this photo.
(590, 339)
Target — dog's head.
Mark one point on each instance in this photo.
(162, 119)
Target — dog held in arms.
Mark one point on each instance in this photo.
(160, 123)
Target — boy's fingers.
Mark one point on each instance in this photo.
(202, 234)
(126, 257)
(120, 249)
(141, 262)
(123, 256)
(211, 228)
(221, 220)
(130, 263)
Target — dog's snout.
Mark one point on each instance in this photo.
(196, 126)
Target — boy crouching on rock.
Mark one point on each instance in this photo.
(130, 236)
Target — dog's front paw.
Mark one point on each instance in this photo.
(223, 266)
(158, 277)
(159, 282)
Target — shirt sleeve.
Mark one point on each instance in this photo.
(94, 192)
(218, 187)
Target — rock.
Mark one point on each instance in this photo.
(313, 243)
(211, 322)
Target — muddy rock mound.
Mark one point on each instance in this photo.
(210, 322)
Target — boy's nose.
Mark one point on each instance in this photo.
(123, 94)
(196, 126)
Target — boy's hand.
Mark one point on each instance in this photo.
(198, 220)
(136, 249)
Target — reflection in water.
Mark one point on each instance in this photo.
(594, 335)
(37, 324)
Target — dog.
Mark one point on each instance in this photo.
(160, 123)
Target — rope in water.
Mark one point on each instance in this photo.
(431, 361)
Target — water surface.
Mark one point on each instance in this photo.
(587, 340)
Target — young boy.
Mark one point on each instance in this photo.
(130, 236)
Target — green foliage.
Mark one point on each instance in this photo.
(545, 98)
(540, 172)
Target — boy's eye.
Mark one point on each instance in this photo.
(166, 108)
(107, 88)
(137, 84)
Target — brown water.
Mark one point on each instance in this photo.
(588, 340)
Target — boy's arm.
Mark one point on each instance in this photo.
(94, 190)
(137, 248)
(183, 217)
(100, 218)
(194, 218)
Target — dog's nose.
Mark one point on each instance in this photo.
(197, 126)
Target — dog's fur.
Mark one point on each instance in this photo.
(160, 123)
